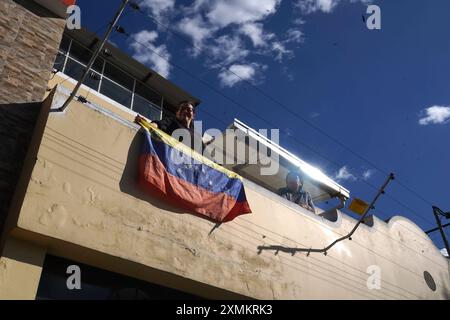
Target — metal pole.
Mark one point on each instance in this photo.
(347, 236)
(95, 55)
(370, 206)
(436, 211)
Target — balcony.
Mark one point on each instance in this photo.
(107, 79)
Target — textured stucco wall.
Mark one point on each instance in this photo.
(83, 192)
(29, 40)
(20, 270)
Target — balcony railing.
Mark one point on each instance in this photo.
(108, 80)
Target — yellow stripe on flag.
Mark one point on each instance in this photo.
(174, 143)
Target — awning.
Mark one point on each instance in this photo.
(319, 185)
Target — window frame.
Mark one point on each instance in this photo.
(67, 55)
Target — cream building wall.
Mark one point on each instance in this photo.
(81, 201)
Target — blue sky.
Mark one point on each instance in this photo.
(383, 93)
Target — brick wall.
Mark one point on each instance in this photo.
(29, 40)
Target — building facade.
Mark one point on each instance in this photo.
(71, 203)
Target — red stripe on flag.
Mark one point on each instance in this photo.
(157, 181)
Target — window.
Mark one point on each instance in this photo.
(83, 55)
(108, 79)
(75, 70)
(148, 94)
(116, 92)
(65, 44)
(118, 76)
(59, 61)
(146, 108)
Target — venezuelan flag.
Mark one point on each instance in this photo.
(171, 170)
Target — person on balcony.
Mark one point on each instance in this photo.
(294, 191)
(184, 119)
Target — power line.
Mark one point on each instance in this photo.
(116, 18)
(309, 123)
(63, 143)
(258, 116)
(122, 31)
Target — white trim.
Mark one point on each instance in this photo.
(67, 55)
(303, 165)
(133, 93)
(162, 106)
(102, 74)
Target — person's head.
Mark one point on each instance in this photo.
(294, 181)
(186, 111)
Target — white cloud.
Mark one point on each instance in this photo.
(219, 29)
(280, 51)
(256, 33)
(298, 21)
(197, 29)
(223, 13)
(158, 8)
(310, 6)
(294, 35)
(367, 174)
(227, 50)
(344, 174)
(158, 59)
(326, 6)
(435, 115)
(237, 73)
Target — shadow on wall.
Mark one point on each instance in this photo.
(129, 181)
(17, 122)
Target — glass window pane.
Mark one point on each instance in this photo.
(148, 94)
(116, 93)
(80, 53)
(75, 71)
(118, 76)
(146, 108)
(92, 80)
(64, 45)
(59, 61)
(83, 55)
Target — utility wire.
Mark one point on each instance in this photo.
(282, 105)
(122, 31)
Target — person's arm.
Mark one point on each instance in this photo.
(141, 118)
(283, 193)
(311, 204)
